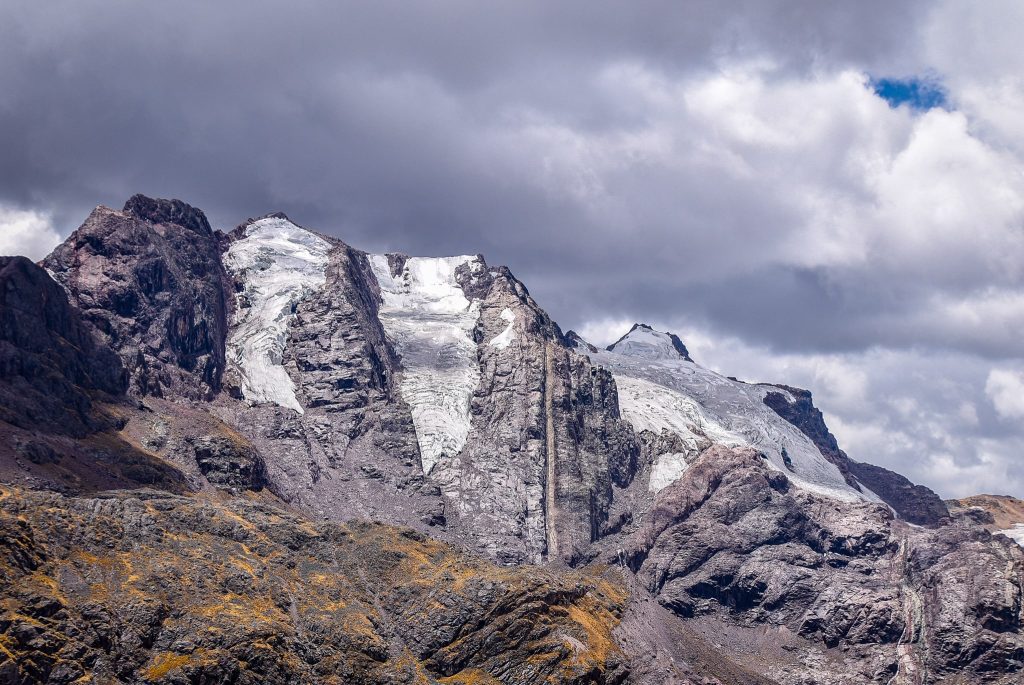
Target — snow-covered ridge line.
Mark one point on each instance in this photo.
(430, 321)
(279, 264)
(659, 390)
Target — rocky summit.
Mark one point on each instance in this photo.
(266, 456)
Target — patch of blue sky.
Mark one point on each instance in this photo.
(920, 94)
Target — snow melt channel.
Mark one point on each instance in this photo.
(430, 321)
(280, 264)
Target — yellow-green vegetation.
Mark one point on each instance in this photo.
(173, 588)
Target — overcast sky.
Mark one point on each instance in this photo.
(725, 170)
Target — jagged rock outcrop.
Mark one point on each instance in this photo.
(149, 587)
(733, 537)
(229, 464)
(915, 503)
(149, 280)
(996, 513)
(61, 394)
(293, 382)
(548, 446)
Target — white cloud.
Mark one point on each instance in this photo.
(604, 332)
(1005, 389)
(26, 232)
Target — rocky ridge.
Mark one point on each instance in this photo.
(754, 550)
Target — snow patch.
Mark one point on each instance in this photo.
(1016, 533)
(279, 264)
(504, 339)
(666, 470)
(429, 320)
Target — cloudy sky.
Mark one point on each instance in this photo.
(727, 170)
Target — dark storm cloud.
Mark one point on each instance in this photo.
(367, 117)
(721, 166)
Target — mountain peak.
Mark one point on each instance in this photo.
(576, 340)
(643, 341)
(160, 211)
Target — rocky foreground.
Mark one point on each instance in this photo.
(197, 427)
(145, 586)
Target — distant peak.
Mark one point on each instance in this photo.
(274, 222)
(160, 211)
(644, 341)
(576, 340)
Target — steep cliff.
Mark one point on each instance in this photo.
(287, 386)
(150, 281)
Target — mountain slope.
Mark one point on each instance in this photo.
(278, 366)
(151, 587)
(998, 513)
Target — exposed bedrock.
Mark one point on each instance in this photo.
(547, 446)
(51, 367)
(915, 503)
(732, 537)
(149, 280)
(352, 451)
(435, 393)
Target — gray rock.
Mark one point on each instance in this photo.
(154, 290)
(229, 464)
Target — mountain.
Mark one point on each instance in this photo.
(998, 513)
(384, 468)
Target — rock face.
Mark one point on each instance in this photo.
(229, 464)
(733, 537)
(996, 513)
(429, 391)
(50, 365)
(60, 391)
(150, 281)
(915, 503)
(292, 383)
(149, 587)
(547, 445)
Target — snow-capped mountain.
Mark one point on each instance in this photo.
(279, 363)
(662, 390)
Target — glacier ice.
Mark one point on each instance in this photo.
(660, 390)
(279, 264)
(430, 321)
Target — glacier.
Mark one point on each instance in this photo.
(279, 265)
(430, 321)
(661, 390)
